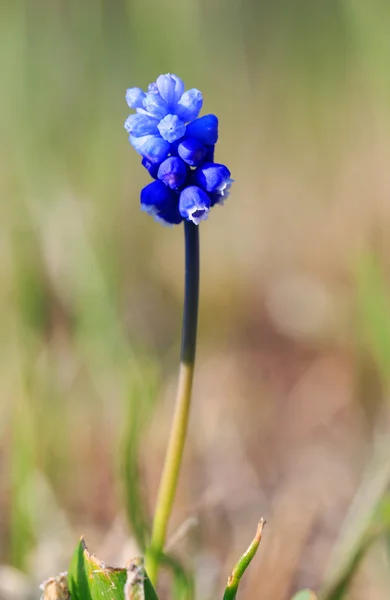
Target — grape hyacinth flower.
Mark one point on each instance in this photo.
(177, 149)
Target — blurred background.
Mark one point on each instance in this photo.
(291, 404)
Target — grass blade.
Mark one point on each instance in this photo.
(243, 564)
(358, 532)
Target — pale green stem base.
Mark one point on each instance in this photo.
(171, 470)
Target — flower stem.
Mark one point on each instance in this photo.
(174, 455)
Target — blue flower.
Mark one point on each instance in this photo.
(192, 151)
(213, 178)
(161, 116)
(171, 128)
(177, 149)
(194, 204)
(173, 172)
(161, 202)
(217, 198)
(151, 147)
(204, 129)
(152, 168)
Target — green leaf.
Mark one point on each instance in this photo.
(90, 579)
(183, 581)
(243, 564)
(373, 304)
(141, 398)
(342, 584)
(383, 518)
(304, 595)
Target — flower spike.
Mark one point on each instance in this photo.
(177, 149)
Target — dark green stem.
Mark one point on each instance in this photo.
(191, 293)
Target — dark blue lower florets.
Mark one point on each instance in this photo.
(177, 150)
(188, 183)
(192, 190)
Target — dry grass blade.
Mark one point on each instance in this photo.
(56, 588)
